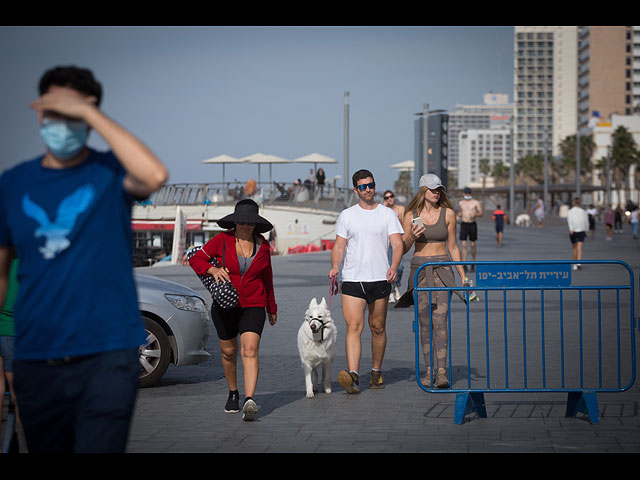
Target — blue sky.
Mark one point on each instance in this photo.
(191, 93)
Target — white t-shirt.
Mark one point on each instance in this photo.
(577, 220)
(367, 234)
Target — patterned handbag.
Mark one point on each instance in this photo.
(223, 293)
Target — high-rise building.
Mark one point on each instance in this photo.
(608, 72)
(475, 145)
(545, 88)
(496, 112)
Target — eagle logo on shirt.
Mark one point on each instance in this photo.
(56, 232)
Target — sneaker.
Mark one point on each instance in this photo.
(441, 380)
(233, 403)
(376, 380)
(575, 267)
(349, 381)
(249, 410)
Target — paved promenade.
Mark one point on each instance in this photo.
(184, 412)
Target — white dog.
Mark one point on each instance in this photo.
(317, 345)
(523, 220)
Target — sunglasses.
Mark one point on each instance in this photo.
(364, 186)
(388, 197)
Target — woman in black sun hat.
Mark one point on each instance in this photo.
(247, 265)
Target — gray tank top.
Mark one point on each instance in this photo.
(436, 232)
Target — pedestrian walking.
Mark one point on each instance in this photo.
(609, 220)
(592, 212)
(578, 225)
(244, 259)
(389, 200)
(468, 209)
(363, 235)
(77, 322)
(538, 211)
(430, 227)
(499, 219)
(617, 226)
(633, 220)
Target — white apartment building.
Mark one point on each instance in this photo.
(496, 112)
(474, 145)
(545, 87)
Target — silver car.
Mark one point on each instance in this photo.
(177, 323)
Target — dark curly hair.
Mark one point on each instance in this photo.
(80, 79)
(359, 175)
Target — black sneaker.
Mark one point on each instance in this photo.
(233, 403)
(349, 381)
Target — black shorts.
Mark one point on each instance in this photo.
(370, 291)
(231, 322)
(469, 230)
(499, 228)
(577, 237)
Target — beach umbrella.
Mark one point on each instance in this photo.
(406, 166)
(315, 158)
(261, 158)
(223, 160)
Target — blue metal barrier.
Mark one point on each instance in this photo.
(579, 337)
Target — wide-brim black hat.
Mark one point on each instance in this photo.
(246, 211)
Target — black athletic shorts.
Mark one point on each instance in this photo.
(469, 230)
(232, 322)
(577, 236)
(370, 291)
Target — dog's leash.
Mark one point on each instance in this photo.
(333, 289)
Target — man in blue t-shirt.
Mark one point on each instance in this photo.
(77, 323)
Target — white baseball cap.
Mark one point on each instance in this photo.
(430, 181)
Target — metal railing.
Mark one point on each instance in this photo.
(536, 328)
(272, 193)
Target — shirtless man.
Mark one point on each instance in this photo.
(468, 210)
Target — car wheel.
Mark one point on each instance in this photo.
(154, 354)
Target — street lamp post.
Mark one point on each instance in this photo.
(346, 147)
(578, 164)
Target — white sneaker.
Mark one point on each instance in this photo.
(575, 266)
(249, 410)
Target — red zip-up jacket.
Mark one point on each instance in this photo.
(255, 287)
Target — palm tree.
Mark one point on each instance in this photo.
(568, 153)
(500, 172)
(624, 153)
(531, 167)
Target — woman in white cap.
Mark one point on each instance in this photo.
(430, 224)
(247, 257)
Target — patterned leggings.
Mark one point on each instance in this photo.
(440, 337)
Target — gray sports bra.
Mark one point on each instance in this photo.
(436, 232)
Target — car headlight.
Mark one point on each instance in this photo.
(186, 302)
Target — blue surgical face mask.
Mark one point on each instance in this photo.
(467, 197)
(64, 139)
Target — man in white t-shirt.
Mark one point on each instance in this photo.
(363, 234)
(578, 223)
